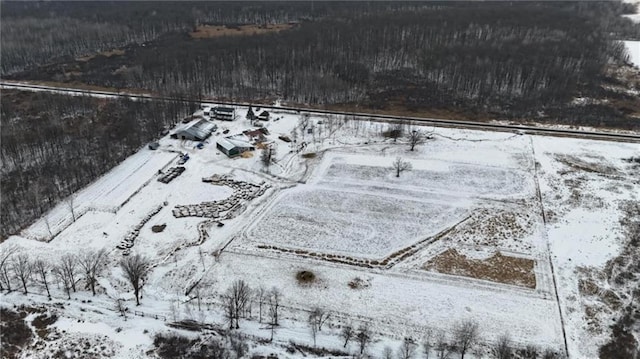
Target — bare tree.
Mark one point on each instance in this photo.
(6, 253)
(363, 337)
(69, 265)
(238, 345)
(121, 308)
(407, 349)
(48, 225)
(136, 269)
(313, 325)
(70, 201)
(502, 348)
(229, 309)
(261, 297)
(273, 311)
(198, 289)
(320, 316)
(415, 138)
(22, 268)
(442, 348)
(395, 131)
(240, 294)
(304, 123)
(92, 264)
(387, 353)
(42, 268)
(347, 333)
(427, 343)
(552, 354)
(66, 271)
(274, 303)
(465, 335)
(267, 157)
(530, 352)
(399, 165)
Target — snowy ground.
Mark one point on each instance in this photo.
(633, 47)
(483, 192)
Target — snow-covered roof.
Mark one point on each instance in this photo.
(224, 109)
(239, 142)
(226, 144)
(199, 129)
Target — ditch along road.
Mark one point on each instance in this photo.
(437, 122)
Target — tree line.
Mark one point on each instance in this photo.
(53, 145)
(37, 33)
(20, 271)
(505, 59)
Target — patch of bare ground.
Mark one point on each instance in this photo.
(211, 31)
(497, 268)
(109, 53)
(579, 164)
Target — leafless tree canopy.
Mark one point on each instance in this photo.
(6, 253)
(427, 343)
(363, 337)
(399, 165)
(407, 349)
(136, 268)
(92, 264)
(66, 270)
(235, 301)
(387, 353)
(347, 333)
(261, 297)
(465, 335)
(275, 297)
(22, 268)
(42, 268)
(415, 138)
(441, 346)
(502, 347)
(268, 155)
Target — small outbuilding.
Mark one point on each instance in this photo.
(232, 147)
(197, 131)
(263, 116)
(224, 113)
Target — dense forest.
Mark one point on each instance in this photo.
(53, 145)
(487, 60)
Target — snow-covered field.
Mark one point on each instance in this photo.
(633, 47)
(477, 192)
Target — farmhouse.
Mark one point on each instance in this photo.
(263, 116)
(197, 131)
(233, 147)
(224, 113)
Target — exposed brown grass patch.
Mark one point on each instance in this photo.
(497, 268)
(109, 53)
(211, 31)
(305, 277)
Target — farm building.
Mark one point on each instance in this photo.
(197, 131)
(224, 113)
(263, 116)
(233, 147)
(256, 136)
